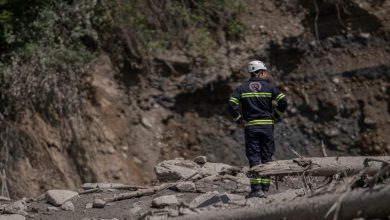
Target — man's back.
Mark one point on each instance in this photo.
(255, 97)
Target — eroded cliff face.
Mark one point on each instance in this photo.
(334, 70)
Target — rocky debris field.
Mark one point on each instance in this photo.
(198, 189)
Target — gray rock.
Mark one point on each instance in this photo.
(173, 212)
(169, 200)
(200, 160)
(59, 197)
(41, 197)
(68, 206)
(3, 198)
(201, 199)
(146, 122)
(52, 208)
(173, 170)
(186, 187)
(135, 210)
(88, 205)
(158, 217)
(186, 211)
(12, 217)
(210, 169)
(17, 207)
(98, 203)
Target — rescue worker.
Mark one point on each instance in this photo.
(257, 115)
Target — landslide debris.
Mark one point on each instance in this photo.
(297, 196)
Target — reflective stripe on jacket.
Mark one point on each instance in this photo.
(252, 102)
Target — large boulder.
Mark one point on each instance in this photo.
(59, 197)
(174, 170)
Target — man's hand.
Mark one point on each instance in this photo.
(275, 117)
(242, 124)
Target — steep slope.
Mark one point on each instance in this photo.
(174, 103)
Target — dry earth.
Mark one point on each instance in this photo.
(336, 81)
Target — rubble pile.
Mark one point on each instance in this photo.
(198, 189)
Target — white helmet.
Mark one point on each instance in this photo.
(255, 65)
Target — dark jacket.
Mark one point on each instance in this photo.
(255, 98)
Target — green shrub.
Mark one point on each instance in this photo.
(43, 67)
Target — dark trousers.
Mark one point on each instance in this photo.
(259, 147)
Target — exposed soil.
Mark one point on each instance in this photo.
(336, 78)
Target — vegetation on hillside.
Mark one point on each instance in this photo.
(46, 46)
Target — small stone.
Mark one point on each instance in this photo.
(200, 160)
(336, 80)
(186, 211)
(3, 198)
(179, 158)
(210, 169)
(12, 217)
(98, 203)
(111, 150)
(365, 35)
(41, 197)
(158, 217)
(186, 187)
(59, 197)
(162, 201)
(135, 211)
(136, 204)
(52, 208)
(173, 213)
(369, 121)
(68, 206)
(146, 122)
(17, 207)
(88, 205)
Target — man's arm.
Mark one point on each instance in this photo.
(234, 103)
(281, 100)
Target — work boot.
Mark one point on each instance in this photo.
(256, 194)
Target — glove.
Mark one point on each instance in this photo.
(275, 117)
